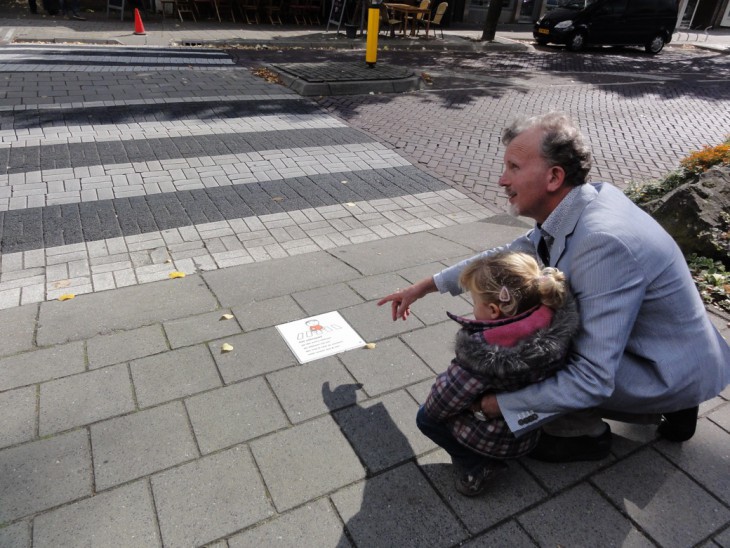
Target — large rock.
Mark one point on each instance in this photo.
(691, 211)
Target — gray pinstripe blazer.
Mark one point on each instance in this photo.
(646, 344)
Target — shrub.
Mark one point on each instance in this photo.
(710, 276)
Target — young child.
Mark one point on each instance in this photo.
(525, 319)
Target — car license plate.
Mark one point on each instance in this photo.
(543, 31)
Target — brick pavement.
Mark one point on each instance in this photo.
(117, 177)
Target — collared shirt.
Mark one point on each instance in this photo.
(556, 221)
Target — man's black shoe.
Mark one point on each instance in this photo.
(678, 426)
(558, 449)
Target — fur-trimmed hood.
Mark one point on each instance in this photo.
(530, 360)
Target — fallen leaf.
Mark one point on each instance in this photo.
(267, 75)
(427, 77)
(177, 274)
(66, 296)
(370, 346)
(225, 347)
(226, 317)
(350, 204)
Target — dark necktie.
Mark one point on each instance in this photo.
(542, 251)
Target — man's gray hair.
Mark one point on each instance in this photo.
(562, 144)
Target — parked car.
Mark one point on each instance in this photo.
(648, 23)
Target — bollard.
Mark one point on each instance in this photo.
(371, 48)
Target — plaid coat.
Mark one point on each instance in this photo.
(500, 356)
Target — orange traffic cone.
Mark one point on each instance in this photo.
(138, 26)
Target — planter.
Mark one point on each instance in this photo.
(351, 31)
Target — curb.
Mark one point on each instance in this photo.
(458, 44)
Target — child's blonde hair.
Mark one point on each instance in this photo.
(514, 281)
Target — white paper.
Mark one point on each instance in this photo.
(319, 336)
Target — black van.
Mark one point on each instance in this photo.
(577, 23)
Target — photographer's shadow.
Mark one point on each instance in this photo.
(395, 505)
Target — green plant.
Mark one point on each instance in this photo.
(690, 169)
(712, 281)
(710, 276)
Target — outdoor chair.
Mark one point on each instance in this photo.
(416, 20)
(273, 11)
(388, 21)
(249, 10)
(178, 8)
(435, 22)
(312, 10)
(226, 6)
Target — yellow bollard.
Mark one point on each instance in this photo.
(371, 49)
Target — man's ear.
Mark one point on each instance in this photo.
(556, 178)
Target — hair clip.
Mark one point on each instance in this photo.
(504, 295)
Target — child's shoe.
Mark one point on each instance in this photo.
(473, 482)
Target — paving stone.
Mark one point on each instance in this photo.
(253, 354)
(421, 518)
(627, 438)
(314, 389)
(723, 539)
(326, 299)
(432, 309)
(417, 273)
(126, 448)
(305, 462)
(85, 398)
(509, 534)
(125, 346)
(120, 517)
(492, 232)
(721, 417)
(255, 282)
(18, 326)
(434, 344)
(124, 308)
(420, 391)
(234, 414)
(374, 323)
(510, 493)
(399, 252)
(375, 287)
(209, 498)
(18, 409)
(197, 329)
(645, 486)
(314, 524)
(383, 431)
(16, 535)
(41, 365)
(706, 458)
(390, 365)
(268, 312)
(557, 476)
(592, 521)
(43, 474)
(173, 375)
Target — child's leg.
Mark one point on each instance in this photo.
(441, 435)
(473, 471)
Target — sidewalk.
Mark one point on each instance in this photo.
(19, 27)
(189, 445)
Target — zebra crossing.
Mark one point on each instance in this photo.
(123, 165)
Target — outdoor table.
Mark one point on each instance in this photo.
(406, 10)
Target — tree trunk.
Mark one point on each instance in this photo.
(490, 23)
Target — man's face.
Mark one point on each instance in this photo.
(526, 176)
